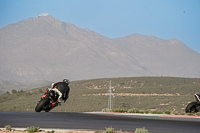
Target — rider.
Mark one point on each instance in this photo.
(62, 90)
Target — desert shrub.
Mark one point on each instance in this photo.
(109, 130)
(146, 111)
(32, 129)
(51, 131)
(120, 131)
(141, 130)
(133, 110)
(141, 111)
(156, 112)
(119, 110)
(106, 110)
(99, 131)
(159, 112)
(168, 112)
(198, 113)
(21, 92)
(7, 92)
(14, 91)
(8, 127)
(190, 114)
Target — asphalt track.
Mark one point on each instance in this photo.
(100, 121)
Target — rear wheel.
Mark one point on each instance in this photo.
(191, 107)
(41, 104)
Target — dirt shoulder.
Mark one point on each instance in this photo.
(44, 131)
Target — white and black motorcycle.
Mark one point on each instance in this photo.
(194, 107)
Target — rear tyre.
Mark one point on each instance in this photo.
(191, 108)
(41, 104)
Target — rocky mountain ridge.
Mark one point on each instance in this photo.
(44, 48)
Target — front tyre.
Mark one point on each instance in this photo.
(191, 107)
(41, 104)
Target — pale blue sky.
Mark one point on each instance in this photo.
(116, 18)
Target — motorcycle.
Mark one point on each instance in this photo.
(194, 107)
(46, 101)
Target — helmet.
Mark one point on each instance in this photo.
(66, 81)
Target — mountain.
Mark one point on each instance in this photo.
(44, 48)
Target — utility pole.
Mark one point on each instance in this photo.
(110, 96)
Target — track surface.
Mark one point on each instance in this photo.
(61, 120)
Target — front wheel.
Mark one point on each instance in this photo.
(41, 104)
(191, 107)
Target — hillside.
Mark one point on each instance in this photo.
(146, 93)
(44, 48)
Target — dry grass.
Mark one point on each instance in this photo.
(144, 93)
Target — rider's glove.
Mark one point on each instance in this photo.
(59, 100)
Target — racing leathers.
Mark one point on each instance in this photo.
(62, 89)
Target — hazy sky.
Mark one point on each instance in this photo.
(116, 18)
